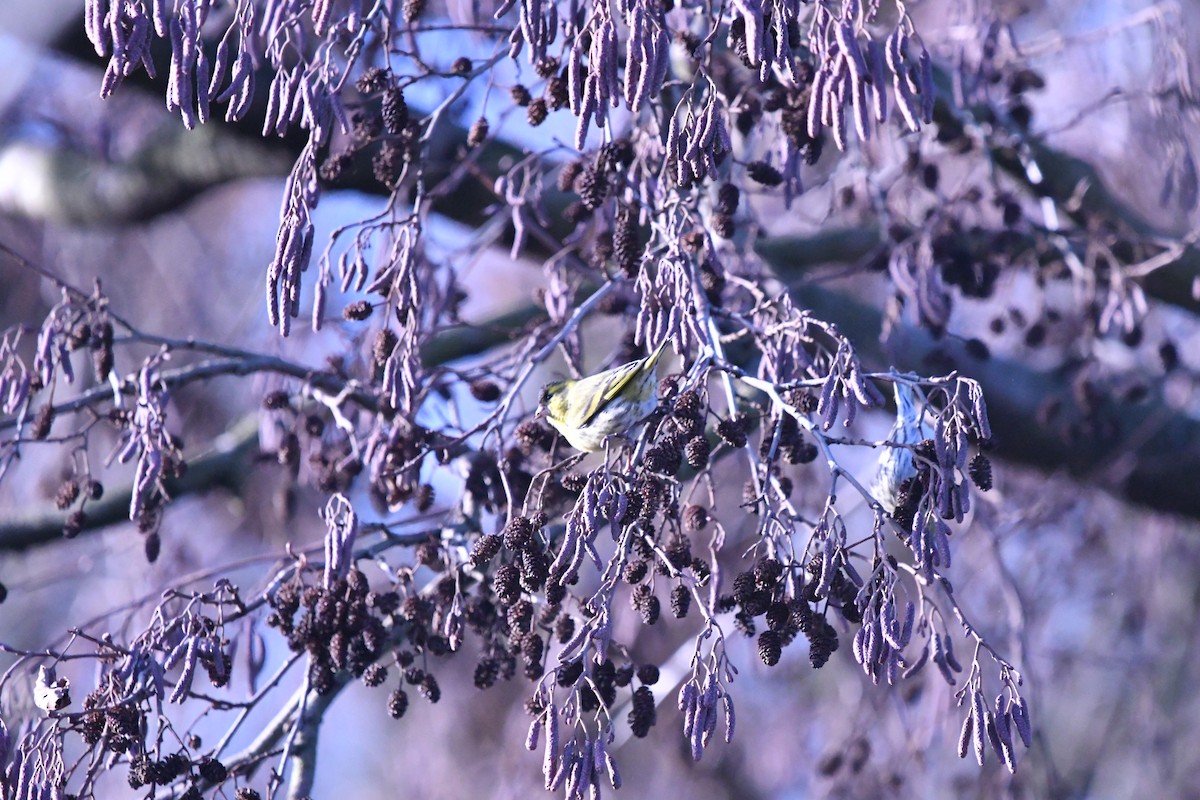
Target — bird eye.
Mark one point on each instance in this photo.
(545, 398)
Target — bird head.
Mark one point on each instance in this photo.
(552, 402)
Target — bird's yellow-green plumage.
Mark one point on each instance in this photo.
(609, 403)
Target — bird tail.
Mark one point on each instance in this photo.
(653, 359)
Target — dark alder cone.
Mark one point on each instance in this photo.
(693, 240)
(42, 422)
(770, 647)
(153, 546)
(749, 115)
(533, 648)
(695, 517)
(68, 493)
(373, 79)
(681, 601)
(478, 133)
(486, 672)
(1022, 115)
(764, 173)
(779, 617)
(830, 763)
(642, 715)
(385, 342)
(1024, 80)
(314, 426)
(635, 571)
(744, 587)
(558, 93)
(413, 9)
(461, 66)
(531, 434)
(664, 458)
(626, 249)
(623, 676)
(247, 794)
(981, 472)
(646, 604)
(395, 111)
(822, 642)
(567, 175)
(648, 674)
(576, 212)
(80, 335)
(929, 176)
(211, 770)
(321, 676)
(365, 125)
(679, 553)
(573, 482)
(977, 350)
(518, 533)
(357, 311)
(732, 432)
(555, 593)
(800, 452)
(1011, 214)
(102, 354)
(1168, 353)
(92, 727)
(387, 164)
(727, 199)
(336, 165)
(592, 187)
(520, 95)
(520, 616)
(170, 768)
(507, 584)
(397, 703)
(617, 154)
(689, 426)
(564, 628)
(374, 675)
(768, 572)
(602, 248)
(785, 484)
(485, 391)
(713, 281)
(569, 673)
(546, 67)
(537, 111)
(687, 404)
(429, 688)
(723, 226)
(74, 524)
(275, 401)
(425, 497)
(697, 451)
(139, 772)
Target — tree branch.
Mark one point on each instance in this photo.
(1149, 455)
(226, 465)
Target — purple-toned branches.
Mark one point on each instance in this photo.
(729, 504)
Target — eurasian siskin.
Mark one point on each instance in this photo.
(609, 403)
(896, 463)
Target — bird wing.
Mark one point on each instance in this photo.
(617, 379)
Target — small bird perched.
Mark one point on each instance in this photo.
(896, 463)
(609, 403)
